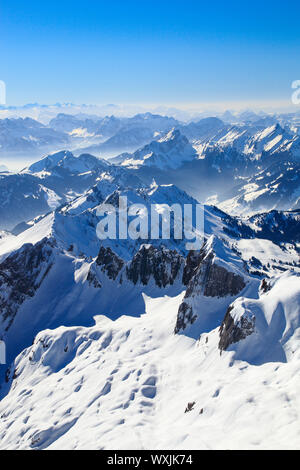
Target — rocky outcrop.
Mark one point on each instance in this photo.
(21, 274)
(109, 262)
(265, 286)
(207, 275)
(232, 331)
(185, 317)
(192, 263)
(161, 264)
(93, 280)
(264, 329)
(204, 274)
(218, 282)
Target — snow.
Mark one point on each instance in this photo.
(266, 132)
(81, 132)
(251, 195)
(170, 151)
(277, 322)
(105, 369)
(272, 143)
(32, 235)
(53, 200)
(124, 381)
(265, 251)
(125, 384)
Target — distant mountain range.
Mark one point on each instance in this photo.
(110, 135)
(19, 136)
(242, 168)
(133, 337)
(248, 168)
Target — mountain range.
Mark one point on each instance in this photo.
(142, 343)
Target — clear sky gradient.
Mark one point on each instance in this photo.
(148, 51)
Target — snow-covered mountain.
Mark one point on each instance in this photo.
(170, 151)
(204, 129)
(276, 187)
(108, 365)
(133, 133)
(254, 141)
(247, 167)
(107, 135)
(138, 342)
(80, 125)
(230, 165)
(63, 160)
(66, 240)
(203, 165)
(52, 181)
(27, 135)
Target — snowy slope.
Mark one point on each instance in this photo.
(140, 344)
(254, 140)
(66, 244)
(126, 384)
(265, 329)
(276, 187)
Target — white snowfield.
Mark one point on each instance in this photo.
(126, 384)
(276, 316)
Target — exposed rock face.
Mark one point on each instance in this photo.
(113, 199)
(192, 262)
(259, 330)
(21, 274)
(218, 282)
(234, 331)
(265, 287)
(185, 317)
(109, 262)
(205, 276)
(160, 263)
(93, 280)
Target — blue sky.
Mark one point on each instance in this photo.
(148, 51)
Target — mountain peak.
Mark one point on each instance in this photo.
(65, 159)
(170, 151)
(173, 134)
(50, 161)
